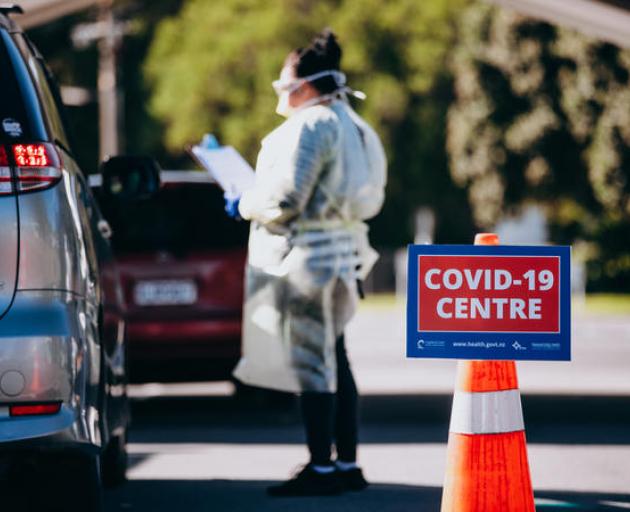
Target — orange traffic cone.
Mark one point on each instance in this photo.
(487, 468)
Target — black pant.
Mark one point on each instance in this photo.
(332, 417)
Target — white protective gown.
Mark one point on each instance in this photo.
(318, 176)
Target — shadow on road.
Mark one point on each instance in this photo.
(249, 496)
(399, 419)
(407, 418)
(583, 502)
(242, 496)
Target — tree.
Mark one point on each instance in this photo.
(78, 67)
(210, 69)
(542, 114)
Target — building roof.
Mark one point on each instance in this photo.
(608, 20)
(40, 12)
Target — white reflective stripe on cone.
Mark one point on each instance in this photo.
(494, 412)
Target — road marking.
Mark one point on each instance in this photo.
(617, 504)
(545, 502)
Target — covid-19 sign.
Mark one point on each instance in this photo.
(489, 302)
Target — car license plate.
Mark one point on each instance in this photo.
(165, 293)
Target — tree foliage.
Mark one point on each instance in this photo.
(210, 69)
(542, 114)
(140, 133)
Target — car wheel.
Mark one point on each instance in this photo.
(83, 480)
(64, 482)
(17, 486)
(114, 461)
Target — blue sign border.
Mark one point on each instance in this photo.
(489, 345)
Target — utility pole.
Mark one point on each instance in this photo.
(108, 106)
(107, 33)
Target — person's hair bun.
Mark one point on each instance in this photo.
(327, 48)
(322, 54)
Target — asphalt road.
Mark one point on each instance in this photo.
(196, 448)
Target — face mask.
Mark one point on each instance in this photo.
(284, 108)
(287, 85)
(284, 88)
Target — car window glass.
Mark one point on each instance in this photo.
(15, 122)
(179, 218)
(45, 93)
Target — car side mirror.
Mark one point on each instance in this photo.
(130, 178)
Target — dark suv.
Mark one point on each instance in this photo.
(63, 400)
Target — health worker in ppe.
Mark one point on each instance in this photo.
(319, 175)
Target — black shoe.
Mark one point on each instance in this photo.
(353, 479)
(309, 482)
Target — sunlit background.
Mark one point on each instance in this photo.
(511, 116)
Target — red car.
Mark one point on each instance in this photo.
(181, 260)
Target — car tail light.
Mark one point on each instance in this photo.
(37, 167)
(45, 409)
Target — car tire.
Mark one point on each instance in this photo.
(83, 477)
(17, 488)
(114, 461)
(63, 482)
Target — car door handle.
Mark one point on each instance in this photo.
(105, 229)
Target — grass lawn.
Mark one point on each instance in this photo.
(607, 303)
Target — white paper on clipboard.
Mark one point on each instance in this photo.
(227, 167)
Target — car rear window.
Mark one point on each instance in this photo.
(43, 83)
(19, 120)
(179, 218)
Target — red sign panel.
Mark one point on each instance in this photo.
(489, 294)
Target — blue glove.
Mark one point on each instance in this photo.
(209, 141)
(231, 207)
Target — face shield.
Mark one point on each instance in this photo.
(288, 84)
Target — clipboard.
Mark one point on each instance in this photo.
(226, 167)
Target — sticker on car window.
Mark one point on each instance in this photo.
(12, 127)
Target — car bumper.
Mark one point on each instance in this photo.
(45, 357)
(183, 351)
(210, 338)
(52, 433)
